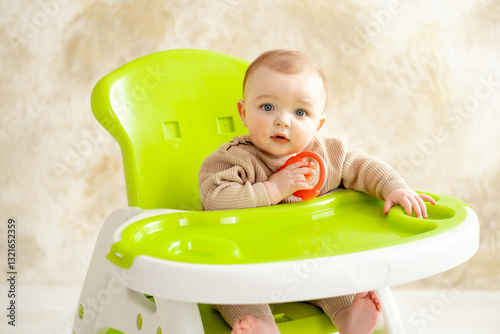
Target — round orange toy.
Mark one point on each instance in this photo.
(314, 192)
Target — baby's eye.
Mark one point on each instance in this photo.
(300, 112)
(267, 107)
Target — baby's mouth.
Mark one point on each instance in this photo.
(280, 138)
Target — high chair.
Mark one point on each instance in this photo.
(159, 264)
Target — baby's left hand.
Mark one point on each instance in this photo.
(409, 200)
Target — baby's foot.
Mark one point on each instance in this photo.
(250, 325)
(361, 317)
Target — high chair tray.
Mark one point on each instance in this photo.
(298, 244)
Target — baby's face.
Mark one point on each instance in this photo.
(282, 111)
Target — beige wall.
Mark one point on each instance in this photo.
(416, 84)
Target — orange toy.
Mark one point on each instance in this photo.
(314, 192)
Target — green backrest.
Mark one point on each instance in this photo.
(168, 111)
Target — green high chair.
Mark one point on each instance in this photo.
(159, 264)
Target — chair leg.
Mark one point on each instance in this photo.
(391, 319)
(100, 288)
(179, 317)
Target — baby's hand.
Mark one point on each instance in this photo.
(287, 181)
(409, 200)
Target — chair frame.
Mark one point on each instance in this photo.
(113, 297)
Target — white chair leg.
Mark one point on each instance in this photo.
(100, 287)
(179, 317)
(391, 321)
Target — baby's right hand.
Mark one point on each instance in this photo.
(287, 181)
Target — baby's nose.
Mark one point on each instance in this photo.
(282, 121)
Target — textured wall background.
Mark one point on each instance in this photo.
(416, 83)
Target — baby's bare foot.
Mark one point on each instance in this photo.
(361, 317)
(251, 325)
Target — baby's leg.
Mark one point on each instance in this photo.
(248, 319)
(331, 306)
(353, 314)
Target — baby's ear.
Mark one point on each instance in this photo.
(321, 122)
(242, 111)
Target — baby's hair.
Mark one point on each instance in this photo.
(286, 62)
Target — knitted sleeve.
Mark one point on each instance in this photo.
(356, 169)
(366, 173)
(228, 181)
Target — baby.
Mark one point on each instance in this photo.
(285, 95)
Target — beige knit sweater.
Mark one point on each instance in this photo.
(232, 176)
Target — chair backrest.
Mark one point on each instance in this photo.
(168, 111)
